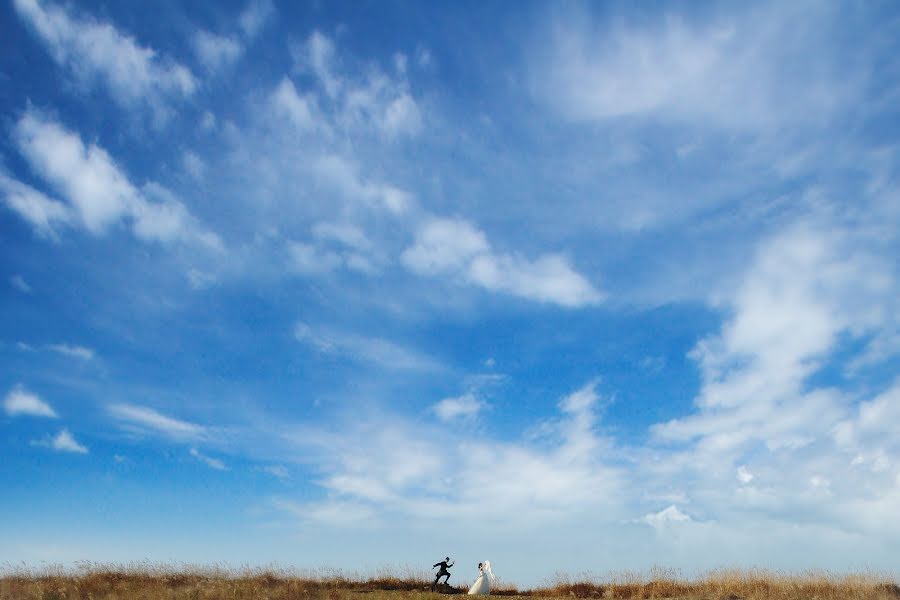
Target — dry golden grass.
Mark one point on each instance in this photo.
(726, 584)
(153, 581)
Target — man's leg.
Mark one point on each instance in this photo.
(435, 581)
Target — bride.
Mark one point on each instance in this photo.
(482, 585)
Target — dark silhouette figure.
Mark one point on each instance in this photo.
(444, 565)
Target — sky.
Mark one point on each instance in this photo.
(565, 286)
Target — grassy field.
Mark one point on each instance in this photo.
(149, 581)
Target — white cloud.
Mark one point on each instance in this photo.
(465, 406)
(98, 190)
(400, 63)
(580, 407)
(19, 402)
(212, 463)
(87, 176)
(200, 280)
(317, 56)
(255, 16)
(65, 442)
(661, 519)
(339, 514)
(73, 351)
(301, 110)
(871, 432)
(279, 471)
(216, 52)
(96, 51)
(744, 475)
(456, 248)
(18, 282)
(819, 482)
(344, 233)
(144, 419)
(808, 303)
(344, 176)
(193, 164)
(208, 122)
(445, 245)
(165, 219)
(805, 288)
(423, 57)
(335, 246)
(309, 259)
(373, 350)
(374, 102)
(44, 214)
(394, 467)
(763, 67)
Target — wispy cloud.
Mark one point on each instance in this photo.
(660, 520)
(255, 16)
(756, 70)
(343, 174)
(456, 248)
(340, 514)
(335, 246)
(148, 420)
(73, 351)
(373, 350)
(465, 406)
(212, 463)
(398, 467)
(279, 471)
(216, 51)
(20, 402)
(45, 215)
(193, 165)
(379, 100)
(18, 282)
(99, 192)
(96, 52)
(219, 51)
(64, 441)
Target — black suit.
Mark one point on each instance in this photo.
(444, 565)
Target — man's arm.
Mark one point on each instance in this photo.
(434, 565)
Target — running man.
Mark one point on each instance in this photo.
(444, 565)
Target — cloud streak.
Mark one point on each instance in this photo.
(99, 193)
(20, 402)
(46, 215)
(372, 350)
(96, 52)
(212, 463)
(65, 442)
(456, 248)
(144, 419)
(72, 351)
(460, 407)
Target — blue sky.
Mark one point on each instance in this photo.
(562, 286)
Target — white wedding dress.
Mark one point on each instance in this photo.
(482, 585)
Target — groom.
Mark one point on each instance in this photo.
(444, 565)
